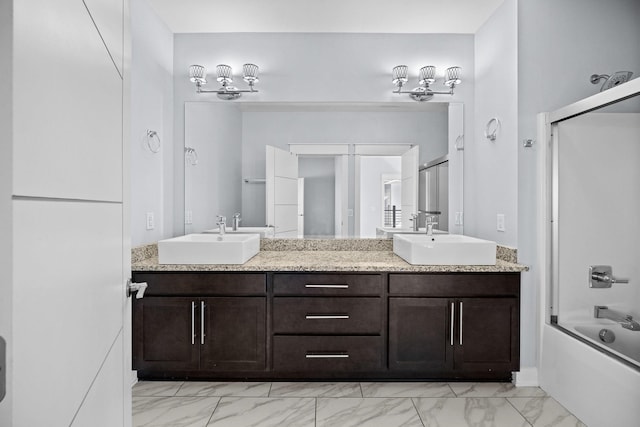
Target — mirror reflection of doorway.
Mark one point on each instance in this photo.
(319, 195)
(380, 191)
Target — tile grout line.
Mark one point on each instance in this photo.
(361, 390)
(315, 412)
(518, 411)
(178, 389)
(213, 412)
(418, 412)
(270, 388)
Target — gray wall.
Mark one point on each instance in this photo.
(151, 108)
(560, 44)
(315, 67)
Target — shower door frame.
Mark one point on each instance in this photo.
(547, 191)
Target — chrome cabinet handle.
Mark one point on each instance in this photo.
(460, 322)
(328, 286)
(326, 316)
(193, 322)
(453, 309)
(202, 322)
(327, 356)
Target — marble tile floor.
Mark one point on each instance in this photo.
(344, 404)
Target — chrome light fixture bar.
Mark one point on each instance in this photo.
(427, 76)
(224, 75)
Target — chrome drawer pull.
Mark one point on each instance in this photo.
(202, 323)
(193, 322)
(326, 316)
(327, 356)
(460, 322)
(453, 309)
(328, 286)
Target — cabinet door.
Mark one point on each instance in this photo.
(420, 334)
(233, 334)
(165, 334)
(487, 336)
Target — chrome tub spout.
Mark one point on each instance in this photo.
(626, 320)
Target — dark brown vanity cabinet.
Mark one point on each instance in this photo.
(454, 325)
(328, 325)
(189, 324)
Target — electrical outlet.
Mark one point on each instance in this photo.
(459, 218)
(188, 217)
(500, 222)
(151, 223)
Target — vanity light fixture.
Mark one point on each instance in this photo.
(427, 76)
(224, 75)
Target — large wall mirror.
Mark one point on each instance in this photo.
(355, 176)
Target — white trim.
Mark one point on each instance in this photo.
(320, 149)
(527, 377)
(381, 149)
(615, 94)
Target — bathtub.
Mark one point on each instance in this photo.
(601, 390)
(625, 344)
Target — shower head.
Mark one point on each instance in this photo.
(616, 79)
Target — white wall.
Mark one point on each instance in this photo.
(560, 44)
(151, 108)
(491, 169)
(214, 130)
(316, 67)
(371, 170)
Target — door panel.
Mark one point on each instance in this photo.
(107, 15)
(419, 334)
(409, 167)
(167, 333)
(282, 191)
(102, 406)
(67, 131)
(67, 311)
(234, 334)
(489, 342)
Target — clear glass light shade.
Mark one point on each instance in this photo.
(399, 74)
(197, 74)
(224, 73)
(427, 75)
(250, 73)
(452, 76)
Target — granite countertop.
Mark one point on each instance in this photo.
(314, 256)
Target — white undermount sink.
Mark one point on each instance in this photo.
(444, 249)
(262, 231)
(208, 249)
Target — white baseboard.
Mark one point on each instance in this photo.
(527, 377)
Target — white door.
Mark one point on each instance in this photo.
(66, 206)
(282, 191)
(300, 207)
(409, 172)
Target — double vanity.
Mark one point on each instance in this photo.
(343, 309)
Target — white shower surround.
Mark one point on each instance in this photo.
(594, 386)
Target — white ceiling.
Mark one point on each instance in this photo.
(325, 16)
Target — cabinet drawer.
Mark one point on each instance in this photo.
(455, 285)
(321, 354)
(318, 315)
(203, 283)
(327, 284)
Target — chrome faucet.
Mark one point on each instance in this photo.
(236, 221)
(430, 224)
(626, 320)
(222, 224)
(414, 220)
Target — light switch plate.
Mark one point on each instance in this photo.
(151, 223)
(500, 222)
